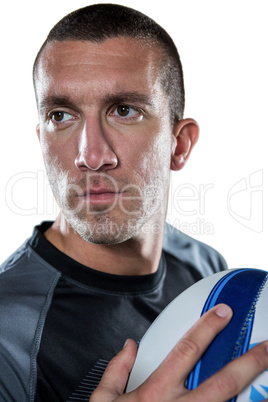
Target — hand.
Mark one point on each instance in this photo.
(166, 383)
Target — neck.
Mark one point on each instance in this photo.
(139, 255)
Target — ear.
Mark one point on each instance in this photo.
(185, 135)
(38, 131)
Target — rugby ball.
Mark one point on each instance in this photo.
(246, 292)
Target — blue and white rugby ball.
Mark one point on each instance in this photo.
(246, 292)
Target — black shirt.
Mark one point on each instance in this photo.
(71, 320)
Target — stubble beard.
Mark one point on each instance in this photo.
(107, 225)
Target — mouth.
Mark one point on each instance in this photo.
(99, 195)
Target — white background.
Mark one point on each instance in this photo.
(221, 195)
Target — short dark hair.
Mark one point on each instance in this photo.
(99, 22)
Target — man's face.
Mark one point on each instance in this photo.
(105, 134)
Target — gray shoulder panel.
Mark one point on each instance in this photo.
(193, 252)
(27, 285)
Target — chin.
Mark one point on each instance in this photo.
(106, 230)
(101, 231)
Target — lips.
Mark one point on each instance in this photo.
(98, 191)
(99, 195)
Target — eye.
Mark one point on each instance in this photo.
(123, 110)
(126, 114)
(60, 116)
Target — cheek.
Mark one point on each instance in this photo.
(157, 156)
(50, 154)
(55, 153)
(148, 162)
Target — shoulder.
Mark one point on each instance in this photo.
(25, 260)
(27, 285)
(192, 252)
(26, 274)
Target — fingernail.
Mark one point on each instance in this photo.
(223, 310)
(125, 344)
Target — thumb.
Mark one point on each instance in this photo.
(114, 379)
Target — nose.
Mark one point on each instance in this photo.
(94, 148)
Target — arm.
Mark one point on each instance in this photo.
(167, 383)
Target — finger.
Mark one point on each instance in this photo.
(115, 376)
(234, 377)
(174, 370)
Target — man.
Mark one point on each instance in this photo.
(109, 91)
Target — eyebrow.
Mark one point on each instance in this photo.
(129, 97)
(55, 100)
(120, 97)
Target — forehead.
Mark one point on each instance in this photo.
(115, 64)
